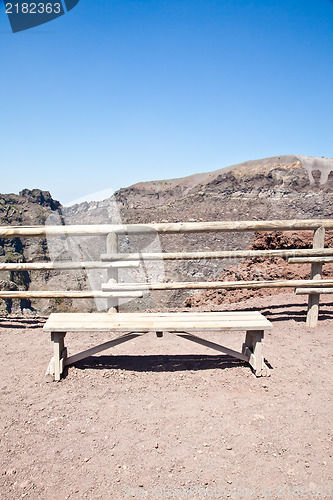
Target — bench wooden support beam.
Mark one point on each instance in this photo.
(212, 345)
(60, 359)
(253, 349)
(251, 352)
(57, 363)
(102, 347)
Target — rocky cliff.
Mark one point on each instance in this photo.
(27, 208)
(31, 207)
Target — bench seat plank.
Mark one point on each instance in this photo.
(144, 322)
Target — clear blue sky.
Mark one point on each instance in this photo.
(115, 92)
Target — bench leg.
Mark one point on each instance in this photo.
(56, 366)
(253, 348)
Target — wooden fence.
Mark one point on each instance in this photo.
(112, 260)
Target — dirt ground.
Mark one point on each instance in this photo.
(165, 418)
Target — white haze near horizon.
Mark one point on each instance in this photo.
(97, 196)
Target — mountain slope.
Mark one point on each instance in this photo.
(284, 187)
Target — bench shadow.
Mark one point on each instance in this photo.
(21, 324)
(159, 363)
(286, 312)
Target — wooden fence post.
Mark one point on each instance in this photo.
(316, 274)
(112, 273)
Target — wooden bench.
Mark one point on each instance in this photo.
(137, 324)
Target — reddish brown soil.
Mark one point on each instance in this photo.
(165, 413)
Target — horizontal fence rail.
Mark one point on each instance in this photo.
(136, 289)
(226, 254)
(216, 285)
(118, 261)
(164, 228)
(313, 291)
(309, 260)
(70, 294)
(68, 265)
